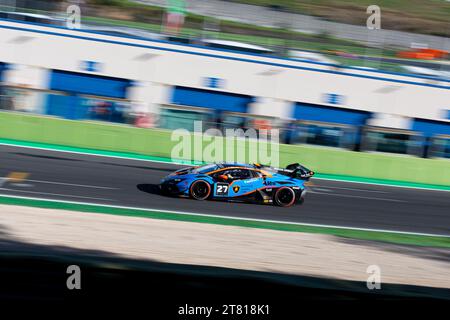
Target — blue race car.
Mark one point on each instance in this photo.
(240, 182)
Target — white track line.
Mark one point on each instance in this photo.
(54, 194)
(229, 217)
(188, 164)
(342, 188)
(352, 196)
(94, 154)
(380, 184)
(72, 184)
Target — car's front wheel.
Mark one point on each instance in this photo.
(200, 190)
(284, 197)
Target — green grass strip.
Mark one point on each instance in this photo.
(132, 156)
(394, 183)
(397, 238)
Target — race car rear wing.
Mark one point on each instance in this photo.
(294, 170)
(299, 171)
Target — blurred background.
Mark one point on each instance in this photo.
(90, 88)
(311, 69)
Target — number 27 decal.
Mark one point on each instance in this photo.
(222, 189)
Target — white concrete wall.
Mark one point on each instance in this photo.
(390, 121)
(272, 107)
(156, 67)
(27, 76)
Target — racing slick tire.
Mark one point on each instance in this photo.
(301, 198)
(284, 197)
(200, 190)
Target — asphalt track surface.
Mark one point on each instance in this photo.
(122, 182)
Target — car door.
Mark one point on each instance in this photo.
(240, 181)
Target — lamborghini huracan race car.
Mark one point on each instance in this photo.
(240, 182)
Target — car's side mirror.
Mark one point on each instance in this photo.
(223, 177)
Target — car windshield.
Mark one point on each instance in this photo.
(205, 169)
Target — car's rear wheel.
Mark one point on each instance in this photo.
(200, 190)
(284, 197)
(301, 199)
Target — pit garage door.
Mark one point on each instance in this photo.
(72, 89)
(430, 128)
(311, 112)
(223, 101)
(2, 69)
(80, 83)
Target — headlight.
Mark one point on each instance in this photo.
(178, 180)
